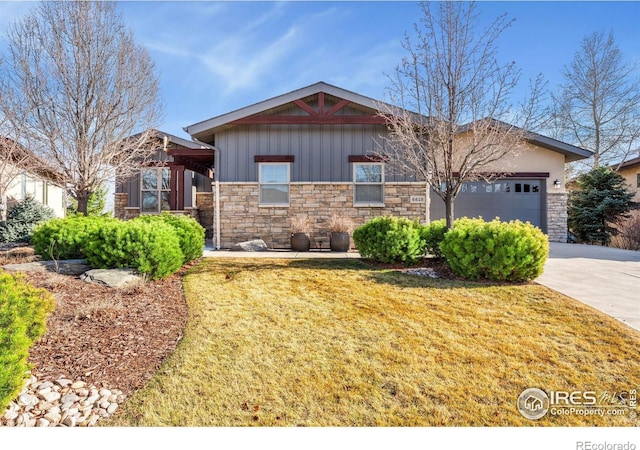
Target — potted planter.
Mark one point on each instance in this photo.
(300, 226)
(340, 227)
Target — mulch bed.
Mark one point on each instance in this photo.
(118, 338)
(113, 338)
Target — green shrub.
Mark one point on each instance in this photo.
(433, 234)
(500, 251)
(389, 240)
(150, 248)
(189, 231)
(22, 218)
(65, 238)
(23, 313)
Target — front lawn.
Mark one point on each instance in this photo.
(338, 343)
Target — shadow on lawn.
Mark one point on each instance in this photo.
(382, 274)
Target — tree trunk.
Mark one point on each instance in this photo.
(3, 207)
(448, 203)
(83, 201)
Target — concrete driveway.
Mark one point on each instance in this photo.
(607, 279)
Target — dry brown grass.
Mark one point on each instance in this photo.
(336, 343)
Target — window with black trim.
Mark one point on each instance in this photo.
(368, 183)
(638, 180)
(155, 189)
(274, 183)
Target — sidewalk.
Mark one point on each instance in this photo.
(209, 252)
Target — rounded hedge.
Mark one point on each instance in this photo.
(23, 314)
(150, 248)
(432, 235)
(66, 238)
(190, 233)
(499, 251)
(389, 239)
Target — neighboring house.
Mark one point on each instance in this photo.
(630, 170)
(310, 152)
(29, 176)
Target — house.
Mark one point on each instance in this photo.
(630, 170)
(23, 174)
(311, 152)
(178, 180)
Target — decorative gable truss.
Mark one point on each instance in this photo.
(319, 112)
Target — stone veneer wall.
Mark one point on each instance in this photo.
(557, 217)
(204, 203)
(120, 204)
(124, 212)
(242, 219)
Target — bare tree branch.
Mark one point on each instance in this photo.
(598, 105)
(82, 87)
(450, 125)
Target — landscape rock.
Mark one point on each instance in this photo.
(256, 245)
(64, 267)
(66, 403)
(111, 277)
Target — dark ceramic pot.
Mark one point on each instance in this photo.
(300, 242)
(339, 242)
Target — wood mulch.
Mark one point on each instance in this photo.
(113, 338)
(117, 338)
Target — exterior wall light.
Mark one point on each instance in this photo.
(556, 184)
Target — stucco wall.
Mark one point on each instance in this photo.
(43, 191)
(630, 175)
(531, 158)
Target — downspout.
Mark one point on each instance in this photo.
(216, 191)
(217, 212)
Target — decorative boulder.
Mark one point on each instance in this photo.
(111, 277)
(257, 245)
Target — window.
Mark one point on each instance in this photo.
(274, 183)
(368, 183)
(638, 180)
(155, 189)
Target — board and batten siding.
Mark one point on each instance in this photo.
(321, 152)
(131, 187)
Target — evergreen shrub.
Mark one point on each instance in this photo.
(499, 251)
(22, 218)
(388, 239)
(23, 313)
(190, 233)
(433, 234)
(149, 248)
(66, 238)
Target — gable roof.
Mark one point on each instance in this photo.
(29, 162)
(206, 129)
(630, 163)
(183, 142)
(218, 123)
(571, 152)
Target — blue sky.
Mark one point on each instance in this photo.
(215, 57)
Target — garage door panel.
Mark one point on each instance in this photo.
(507, 199)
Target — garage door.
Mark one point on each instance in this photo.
(507, 199)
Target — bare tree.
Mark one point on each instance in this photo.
(452, 95)
(82, 88)
(598, 105)
(14, 158)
